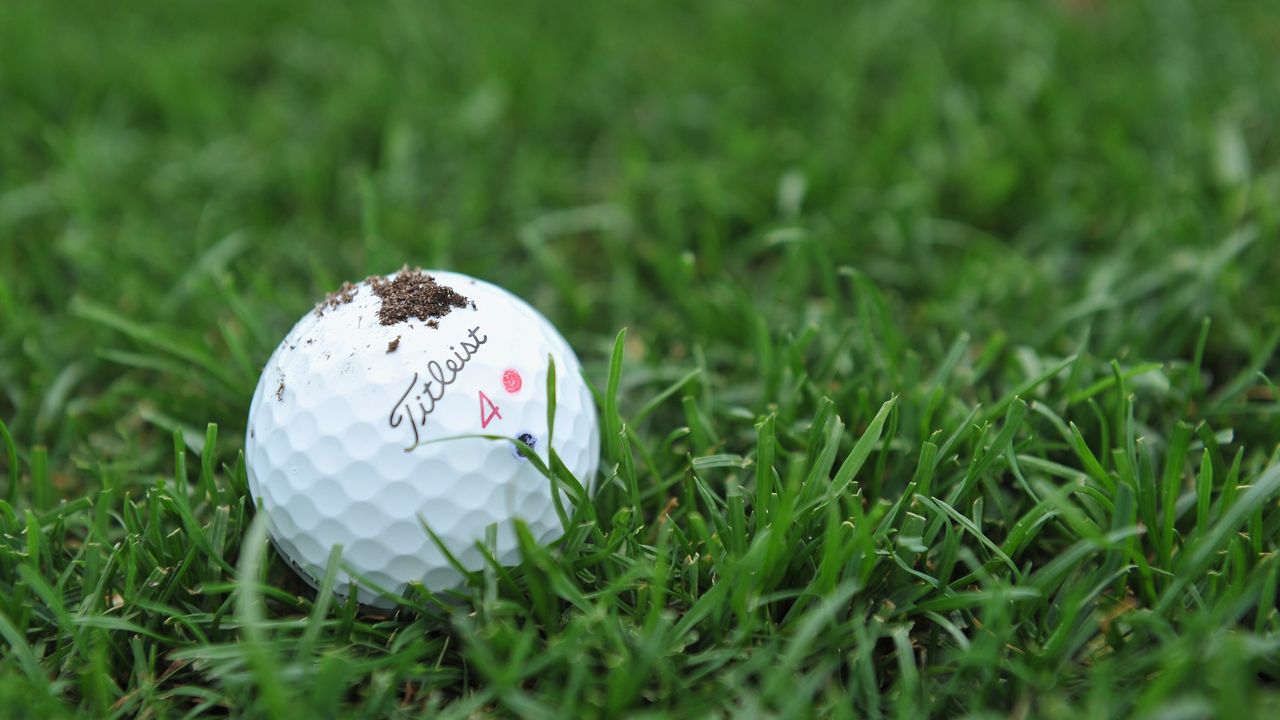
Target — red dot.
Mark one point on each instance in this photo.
(511, 381)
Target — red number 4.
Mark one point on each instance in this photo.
(488, 411)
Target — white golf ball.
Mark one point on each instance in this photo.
(364, 429)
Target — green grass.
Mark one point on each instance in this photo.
(946, 387)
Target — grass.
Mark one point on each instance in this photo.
(947, 386)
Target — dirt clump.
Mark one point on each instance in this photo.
(341, 296)
(414, 294)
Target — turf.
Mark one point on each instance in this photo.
(946, 386)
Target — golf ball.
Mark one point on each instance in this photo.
(366, 428)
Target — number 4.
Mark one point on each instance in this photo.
(488, 411)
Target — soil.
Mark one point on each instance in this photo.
(414, 294)
(341, 296)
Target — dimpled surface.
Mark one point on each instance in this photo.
(350, 443)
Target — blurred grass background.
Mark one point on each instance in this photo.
(1023, 170)
(757, 190)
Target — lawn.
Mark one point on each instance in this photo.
(935, 344)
